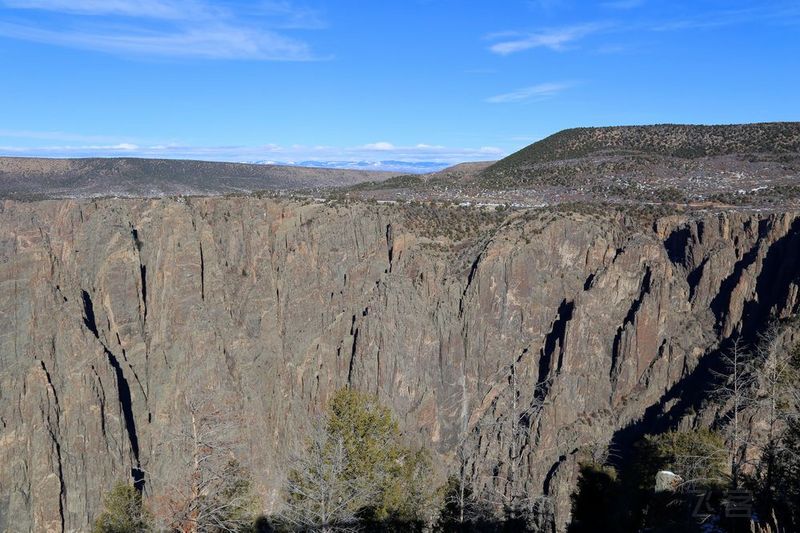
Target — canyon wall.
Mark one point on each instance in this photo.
(522, 347)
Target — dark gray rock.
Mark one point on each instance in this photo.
(112, 310)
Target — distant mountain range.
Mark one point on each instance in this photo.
(406, 167)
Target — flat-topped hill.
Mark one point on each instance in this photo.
(671, 140)
(22, 177)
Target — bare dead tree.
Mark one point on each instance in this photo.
(213, 494)
(736, 389)
(779, 394)
(321, 495)
(778, 375)
(463, 503)
(466, 506)
(701, 468)
(513, 428)
(501, 490)
(516, 416)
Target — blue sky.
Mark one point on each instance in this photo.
(412, 80)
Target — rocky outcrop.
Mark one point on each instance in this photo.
(542, 337)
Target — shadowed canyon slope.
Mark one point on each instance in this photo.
(113, 311)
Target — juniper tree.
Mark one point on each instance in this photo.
(124, 512)
(355, 469)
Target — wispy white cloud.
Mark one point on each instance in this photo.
(218, 41)
(541, 91)
(780, 12)
(380, 146)
(158, 9)
(554, 38)
(189, 28)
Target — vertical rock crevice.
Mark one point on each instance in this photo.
(630, 318)
(101, 398)
(126, 406)
(352, 357)
(62, 497)
(88, 314)
(694, 278)
(123, 391)
(390, 245)
(470, 277)
(202, 275)
(678, 244)
(780, 270)
(721, 303)
(54, 437)
(143, 275)
(553, 343)
(137, 242)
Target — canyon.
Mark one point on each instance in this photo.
(114, 312)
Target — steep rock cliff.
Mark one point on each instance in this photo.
(566, 328)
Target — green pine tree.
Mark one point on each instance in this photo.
(124, 512)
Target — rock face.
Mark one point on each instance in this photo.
(525, 347)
